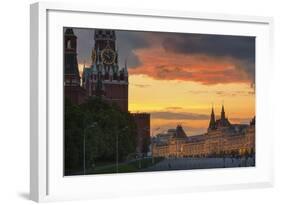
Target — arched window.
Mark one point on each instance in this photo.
(68, 45)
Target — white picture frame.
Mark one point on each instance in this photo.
(47, 182)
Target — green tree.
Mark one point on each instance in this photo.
(73, 143)
(112, 124)
(102, 124)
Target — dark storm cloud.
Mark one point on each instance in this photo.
(213, 45)
(238, 47)
(127, 42)
(85, 44)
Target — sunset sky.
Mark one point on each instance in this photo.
(177, 77)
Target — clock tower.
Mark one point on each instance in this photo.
(105, 78)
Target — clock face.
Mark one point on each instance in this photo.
(108, 56)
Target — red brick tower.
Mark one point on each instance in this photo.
(105, 78)
(73, 91)
(142, 121)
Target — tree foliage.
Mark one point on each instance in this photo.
(108, 132)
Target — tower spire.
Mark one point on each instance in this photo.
(125, 68)
(126, 71)
(212, 124)
(222, 113)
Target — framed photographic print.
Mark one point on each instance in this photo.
(127, 102)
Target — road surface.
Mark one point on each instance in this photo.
(200, 163)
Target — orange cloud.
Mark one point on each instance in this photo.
(162, 65)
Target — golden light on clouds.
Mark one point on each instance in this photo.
(162, 65)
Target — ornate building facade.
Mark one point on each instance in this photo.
(222, 137)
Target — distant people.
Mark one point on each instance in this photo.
(169, 165)
(247, 158)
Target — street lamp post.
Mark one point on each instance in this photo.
(84, 152)
(117, 158)
(84, 145)
(117, 143)
(177, 147)
(142, 151)
(152, 157)
(139, 159)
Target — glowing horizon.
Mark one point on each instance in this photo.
(175, 97)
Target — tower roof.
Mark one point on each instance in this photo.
(180, 132)
(69, 31)
(212, 124)
(223, 113)
(253, 121)
(104, 34)
(223, 122)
